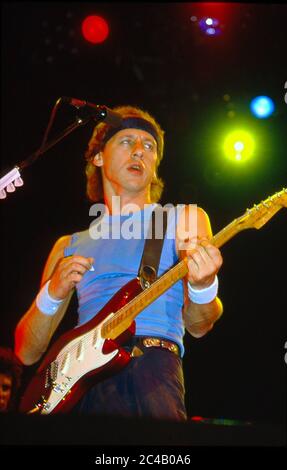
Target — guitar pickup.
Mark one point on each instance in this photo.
(80, 351)
(51, 374)
(66, 363)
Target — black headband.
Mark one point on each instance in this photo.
(132, 123)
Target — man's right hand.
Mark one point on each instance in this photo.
(68, 272)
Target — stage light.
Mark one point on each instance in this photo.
(95, 29)
(209, 26)
(239, 145)
(211, 31)
(209, 21)
(262, 107)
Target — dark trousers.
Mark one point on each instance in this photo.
(151, 385)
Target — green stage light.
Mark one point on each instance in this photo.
(239, 146)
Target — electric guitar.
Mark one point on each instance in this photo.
(87, 354)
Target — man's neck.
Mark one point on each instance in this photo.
(126, 203)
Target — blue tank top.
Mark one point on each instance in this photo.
(116, 262)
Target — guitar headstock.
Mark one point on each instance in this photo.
(260, 213)
(9, 182)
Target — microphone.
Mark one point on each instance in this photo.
(100, 112)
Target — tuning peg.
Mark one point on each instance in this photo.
(18, 182)
(3, 194)
(10, 188)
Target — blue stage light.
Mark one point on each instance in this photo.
(209, 26)
(262, 107)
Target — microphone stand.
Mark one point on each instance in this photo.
(43, 149)
(13, 179)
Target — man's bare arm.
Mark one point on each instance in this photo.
(203, 266)
(200, 318)
(35, 329)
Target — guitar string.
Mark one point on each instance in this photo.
(130, 305)
(218, 240)
(170, 274)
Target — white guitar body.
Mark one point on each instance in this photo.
(76, 360)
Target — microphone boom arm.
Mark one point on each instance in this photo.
(12, 179)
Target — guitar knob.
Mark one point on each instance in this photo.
(10, 188)
(18, 182)
(3, 194)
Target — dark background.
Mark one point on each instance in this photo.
(156, 58)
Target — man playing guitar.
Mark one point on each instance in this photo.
(122, 164)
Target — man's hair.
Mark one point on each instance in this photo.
(12, 367)
(96, 144)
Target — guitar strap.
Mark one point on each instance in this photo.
(148, 267)
(153, 247)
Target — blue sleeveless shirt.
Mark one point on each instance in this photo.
(116, 243)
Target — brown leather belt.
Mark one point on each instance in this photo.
(150, 342)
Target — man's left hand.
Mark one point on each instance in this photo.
(204, 262)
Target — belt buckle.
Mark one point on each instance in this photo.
(169, 345)
(149, 342)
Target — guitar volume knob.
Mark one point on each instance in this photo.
(18, 182)
(10, 188)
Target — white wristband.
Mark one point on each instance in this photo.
(203, 296)
(46, 303)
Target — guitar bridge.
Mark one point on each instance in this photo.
(58, 388)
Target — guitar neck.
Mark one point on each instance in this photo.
(253, 218)
(123, 318)
(228, 232)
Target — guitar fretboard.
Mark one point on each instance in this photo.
(255, 217)
(124, 317)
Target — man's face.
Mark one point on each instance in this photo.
(128, 160)
(5, 391)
